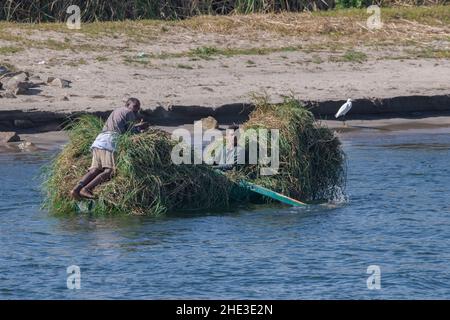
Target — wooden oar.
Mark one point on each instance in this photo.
(270, 194)
(267, 192)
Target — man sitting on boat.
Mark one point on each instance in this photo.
(227, 157)
(119, 121)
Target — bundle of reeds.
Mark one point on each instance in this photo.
(312, 162)
(147, 182)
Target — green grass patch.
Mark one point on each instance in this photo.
(350, 56)
(205, 52)
(428, 53)
(101, 59)
(184, 66)
(316, 59)
(76, 62)
(209, 53)
(137, 61)
(10, 50)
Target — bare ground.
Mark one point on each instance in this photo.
(211, 61)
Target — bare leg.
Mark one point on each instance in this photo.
(87, 190)
(88, 177)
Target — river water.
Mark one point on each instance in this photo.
(397, 217)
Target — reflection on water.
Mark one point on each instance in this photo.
(397, 217)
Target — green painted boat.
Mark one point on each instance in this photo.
(270, 194)
(242, 188)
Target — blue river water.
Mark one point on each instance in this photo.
(397, 217)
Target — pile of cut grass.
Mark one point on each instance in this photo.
(312, 162)
(147, 182)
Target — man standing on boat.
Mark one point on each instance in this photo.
(103, 165)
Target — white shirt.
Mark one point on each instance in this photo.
(106, 141)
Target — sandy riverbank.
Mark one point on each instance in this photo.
(54, 140)
(188, 69)
(102, 87)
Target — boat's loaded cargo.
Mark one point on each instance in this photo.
(146, 181)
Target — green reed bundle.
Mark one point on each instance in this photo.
(312, 162)
(146, 181)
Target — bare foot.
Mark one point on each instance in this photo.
(75, 194)
(86, 194)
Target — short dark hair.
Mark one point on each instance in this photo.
(133, 101)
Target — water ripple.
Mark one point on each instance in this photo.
(396, 215)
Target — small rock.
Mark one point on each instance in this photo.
(5, 78)
(17, 84)
(65, 98)
(23, 123)
(9, 136)
(3, 70)
(27, 146)
(57, 82)
(17, 87)
(47, 79)
(209, 123)
(8, 95)
(208, 89)
(19, 77)
(142, 55)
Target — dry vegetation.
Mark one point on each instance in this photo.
(113, 10)
(422, 31)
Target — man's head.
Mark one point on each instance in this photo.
(133, 104)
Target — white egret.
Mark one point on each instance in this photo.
(344, 109)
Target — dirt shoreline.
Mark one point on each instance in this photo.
(54, 140)
(408, 107)
(210, 66)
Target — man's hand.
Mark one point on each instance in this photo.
(141, 126)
